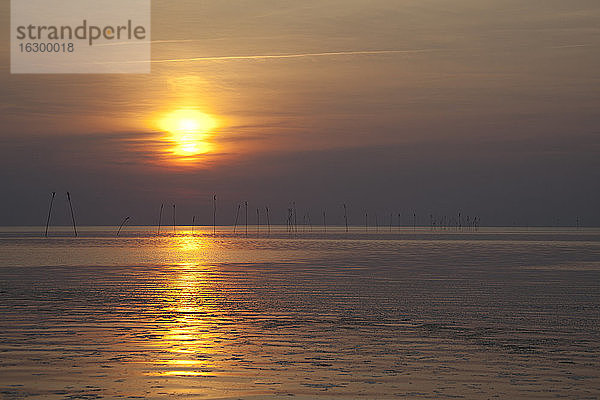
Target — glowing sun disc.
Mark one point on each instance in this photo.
(188, 129)
(187, 121)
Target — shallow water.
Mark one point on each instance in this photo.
(507, 313)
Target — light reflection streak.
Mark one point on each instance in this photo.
(188, 341)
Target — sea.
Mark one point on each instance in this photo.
(299, 313)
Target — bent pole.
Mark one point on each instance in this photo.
(122, 224)
(49, 213)
(72, 214)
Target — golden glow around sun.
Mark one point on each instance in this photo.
(188, 131)
(187, 121)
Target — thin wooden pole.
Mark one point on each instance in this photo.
(160, 218)
(174, 229)
(324, 222)
(237, 214)
(246, 209)
(346, 217)
(257, 221)
(72, 214)
(49, 213)
(295, 217)
(268, 221)
(193, 222)
(214, 214)
(121, 226)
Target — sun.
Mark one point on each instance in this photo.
(187, 121)
(188, 131)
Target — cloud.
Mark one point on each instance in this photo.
(290, 55)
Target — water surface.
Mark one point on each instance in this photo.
(507, 313)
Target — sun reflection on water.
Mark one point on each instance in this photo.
(187, 241)
(189, 338)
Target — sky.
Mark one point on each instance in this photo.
(484, 107)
